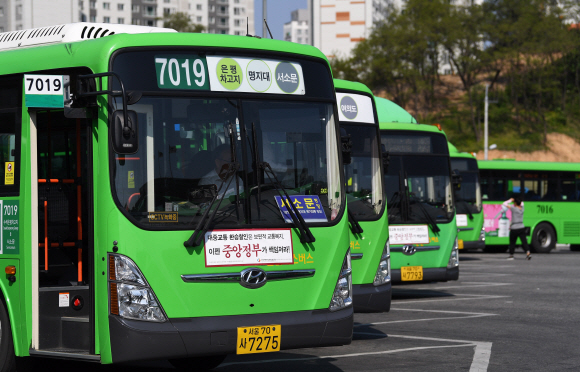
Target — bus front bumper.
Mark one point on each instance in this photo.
(133, 340)
(469, 245)
(370, 298)
(437, 274)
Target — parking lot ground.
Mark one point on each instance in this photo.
(499, 316)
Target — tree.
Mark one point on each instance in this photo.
(180, 22)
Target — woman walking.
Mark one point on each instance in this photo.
(517, 229)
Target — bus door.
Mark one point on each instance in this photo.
(62, 290)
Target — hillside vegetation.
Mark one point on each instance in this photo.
(521, 49)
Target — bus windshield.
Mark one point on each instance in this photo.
(185, 147)
(468, 198)
(418, 179)
(362, 176)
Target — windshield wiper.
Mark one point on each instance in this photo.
(305, 233)
(467, 208)
(430, 219)
(199, 232)
(255, 162)
(354, 225)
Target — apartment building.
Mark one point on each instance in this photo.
(298, 29)
(233, 17)
(24, 14)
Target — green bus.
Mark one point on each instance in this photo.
(469, 213)
(369, 234)
(181, 197)
(551, 195)
(421, 208)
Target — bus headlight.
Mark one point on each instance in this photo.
(342, 295)
(131, 297)
(383, 274)
(454, 257)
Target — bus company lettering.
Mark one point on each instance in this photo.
(409, 234)
(242, 248)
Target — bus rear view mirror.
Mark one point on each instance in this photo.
(202, 194)
(125, 136)
(346, 146)
(456, 179)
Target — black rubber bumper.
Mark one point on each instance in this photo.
(133, 340)
(370, 299)
(438, 274)
(472, 245)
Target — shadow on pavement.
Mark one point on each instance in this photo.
(464, 258)
(410, 293)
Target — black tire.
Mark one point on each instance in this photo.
(198, 363)
(543, 238)
(7, 358)
(575, 247)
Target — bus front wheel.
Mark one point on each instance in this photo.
(7, 358)
(198, 363)
(543, 239)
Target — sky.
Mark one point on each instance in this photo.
(278, 14)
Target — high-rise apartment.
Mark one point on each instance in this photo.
(298, 29)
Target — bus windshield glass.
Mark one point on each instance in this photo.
(362, 176)
(418, 186)
(185, 150)
(468, 198)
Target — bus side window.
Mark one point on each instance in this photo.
(10, 113)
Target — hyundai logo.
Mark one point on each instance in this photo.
(253, 278)
(409, 250)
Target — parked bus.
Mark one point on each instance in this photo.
(469, 213)
(551, 195)
(421, 209)
(169, 196)
(369, 234)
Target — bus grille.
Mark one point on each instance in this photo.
(571, 229)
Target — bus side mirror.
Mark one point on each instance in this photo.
(125, 136)
(456, 179)
(386, 161)
(346, 145)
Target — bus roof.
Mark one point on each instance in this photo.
(351, 85)
(454, 153)
(390, 112)
(95, 53)
(500, 164)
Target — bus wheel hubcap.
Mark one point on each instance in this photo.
(544, 238)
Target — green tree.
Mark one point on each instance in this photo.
(181, 22)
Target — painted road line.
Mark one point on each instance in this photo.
(467, 315)
(484, 297)
(469, 285)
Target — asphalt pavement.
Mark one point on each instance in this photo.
(500, 315)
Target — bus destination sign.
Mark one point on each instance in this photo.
(228, 74)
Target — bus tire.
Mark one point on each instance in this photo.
(7, 357)
(198, 363)
(543, 238)
(575, 247)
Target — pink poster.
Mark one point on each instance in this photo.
(496, 220)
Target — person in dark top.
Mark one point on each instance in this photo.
(517, 228)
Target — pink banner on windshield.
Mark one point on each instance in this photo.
(496, 220)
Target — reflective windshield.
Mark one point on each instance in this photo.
(468, 197)
(185, 150)
(363, 175)
(417, 185)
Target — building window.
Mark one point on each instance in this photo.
(166, 11)
(211, 20)
(237, 22)
(236, 1)
(299, 32)
(93, 4)
(120, 21)
(135, 8)
(223, 32)
(106, 5)
(106, 19)
(237, 33)
(166, 1)
(83, 17)
(1, 11)
(300, 40)
(81, 5)
(212, 8)
(198, 7)
(135, 21)
(18, 12)
(151, 23)
(150, 11)
(198, 18)
(120, 6)
(1, 29)
(223, 21)
(93, 19)
(236, 11)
